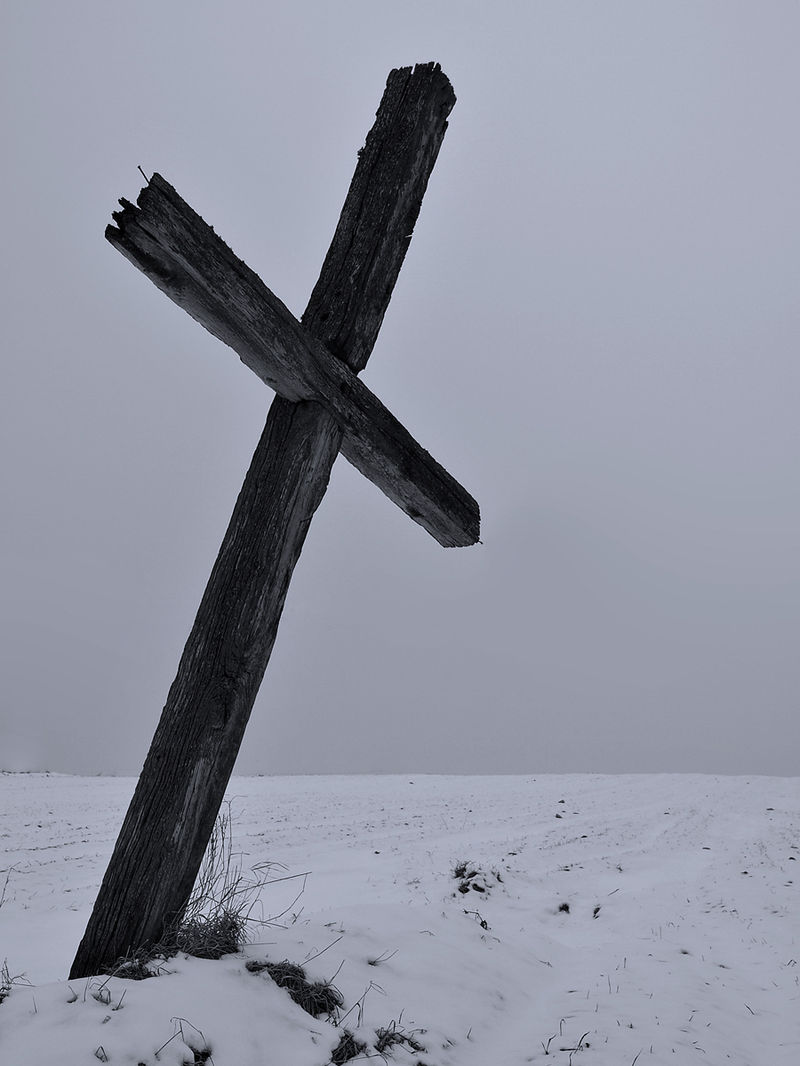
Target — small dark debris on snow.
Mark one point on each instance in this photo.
(564, 907)
(472, 878)
(478, 918)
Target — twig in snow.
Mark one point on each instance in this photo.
(312, 957)
(382, 958)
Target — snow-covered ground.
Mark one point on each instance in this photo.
(626, 919)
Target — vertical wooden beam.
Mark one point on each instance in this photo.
(181, 787)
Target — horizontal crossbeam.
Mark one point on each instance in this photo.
(170, 243)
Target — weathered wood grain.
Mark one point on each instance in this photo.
(182, 784)
(187, 260)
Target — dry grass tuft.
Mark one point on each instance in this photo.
(8, 980)
(218, 914)
(5, 981)
(315, 997)
(220, 908)
(394, 1035)
(212, 936)
(140, 965)
(348, 1048)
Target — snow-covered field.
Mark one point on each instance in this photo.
(626, 919)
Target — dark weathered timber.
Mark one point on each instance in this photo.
(187, 260)
(187, 769)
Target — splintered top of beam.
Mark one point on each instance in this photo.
(383, 202)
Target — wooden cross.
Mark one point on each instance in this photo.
(322, 408)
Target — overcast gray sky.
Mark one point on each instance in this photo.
(595, 330)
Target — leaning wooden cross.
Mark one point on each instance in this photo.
(321, 408)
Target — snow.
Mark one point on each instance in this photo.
(680, 944)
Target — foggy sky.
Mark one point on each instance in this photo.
(595, 330)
